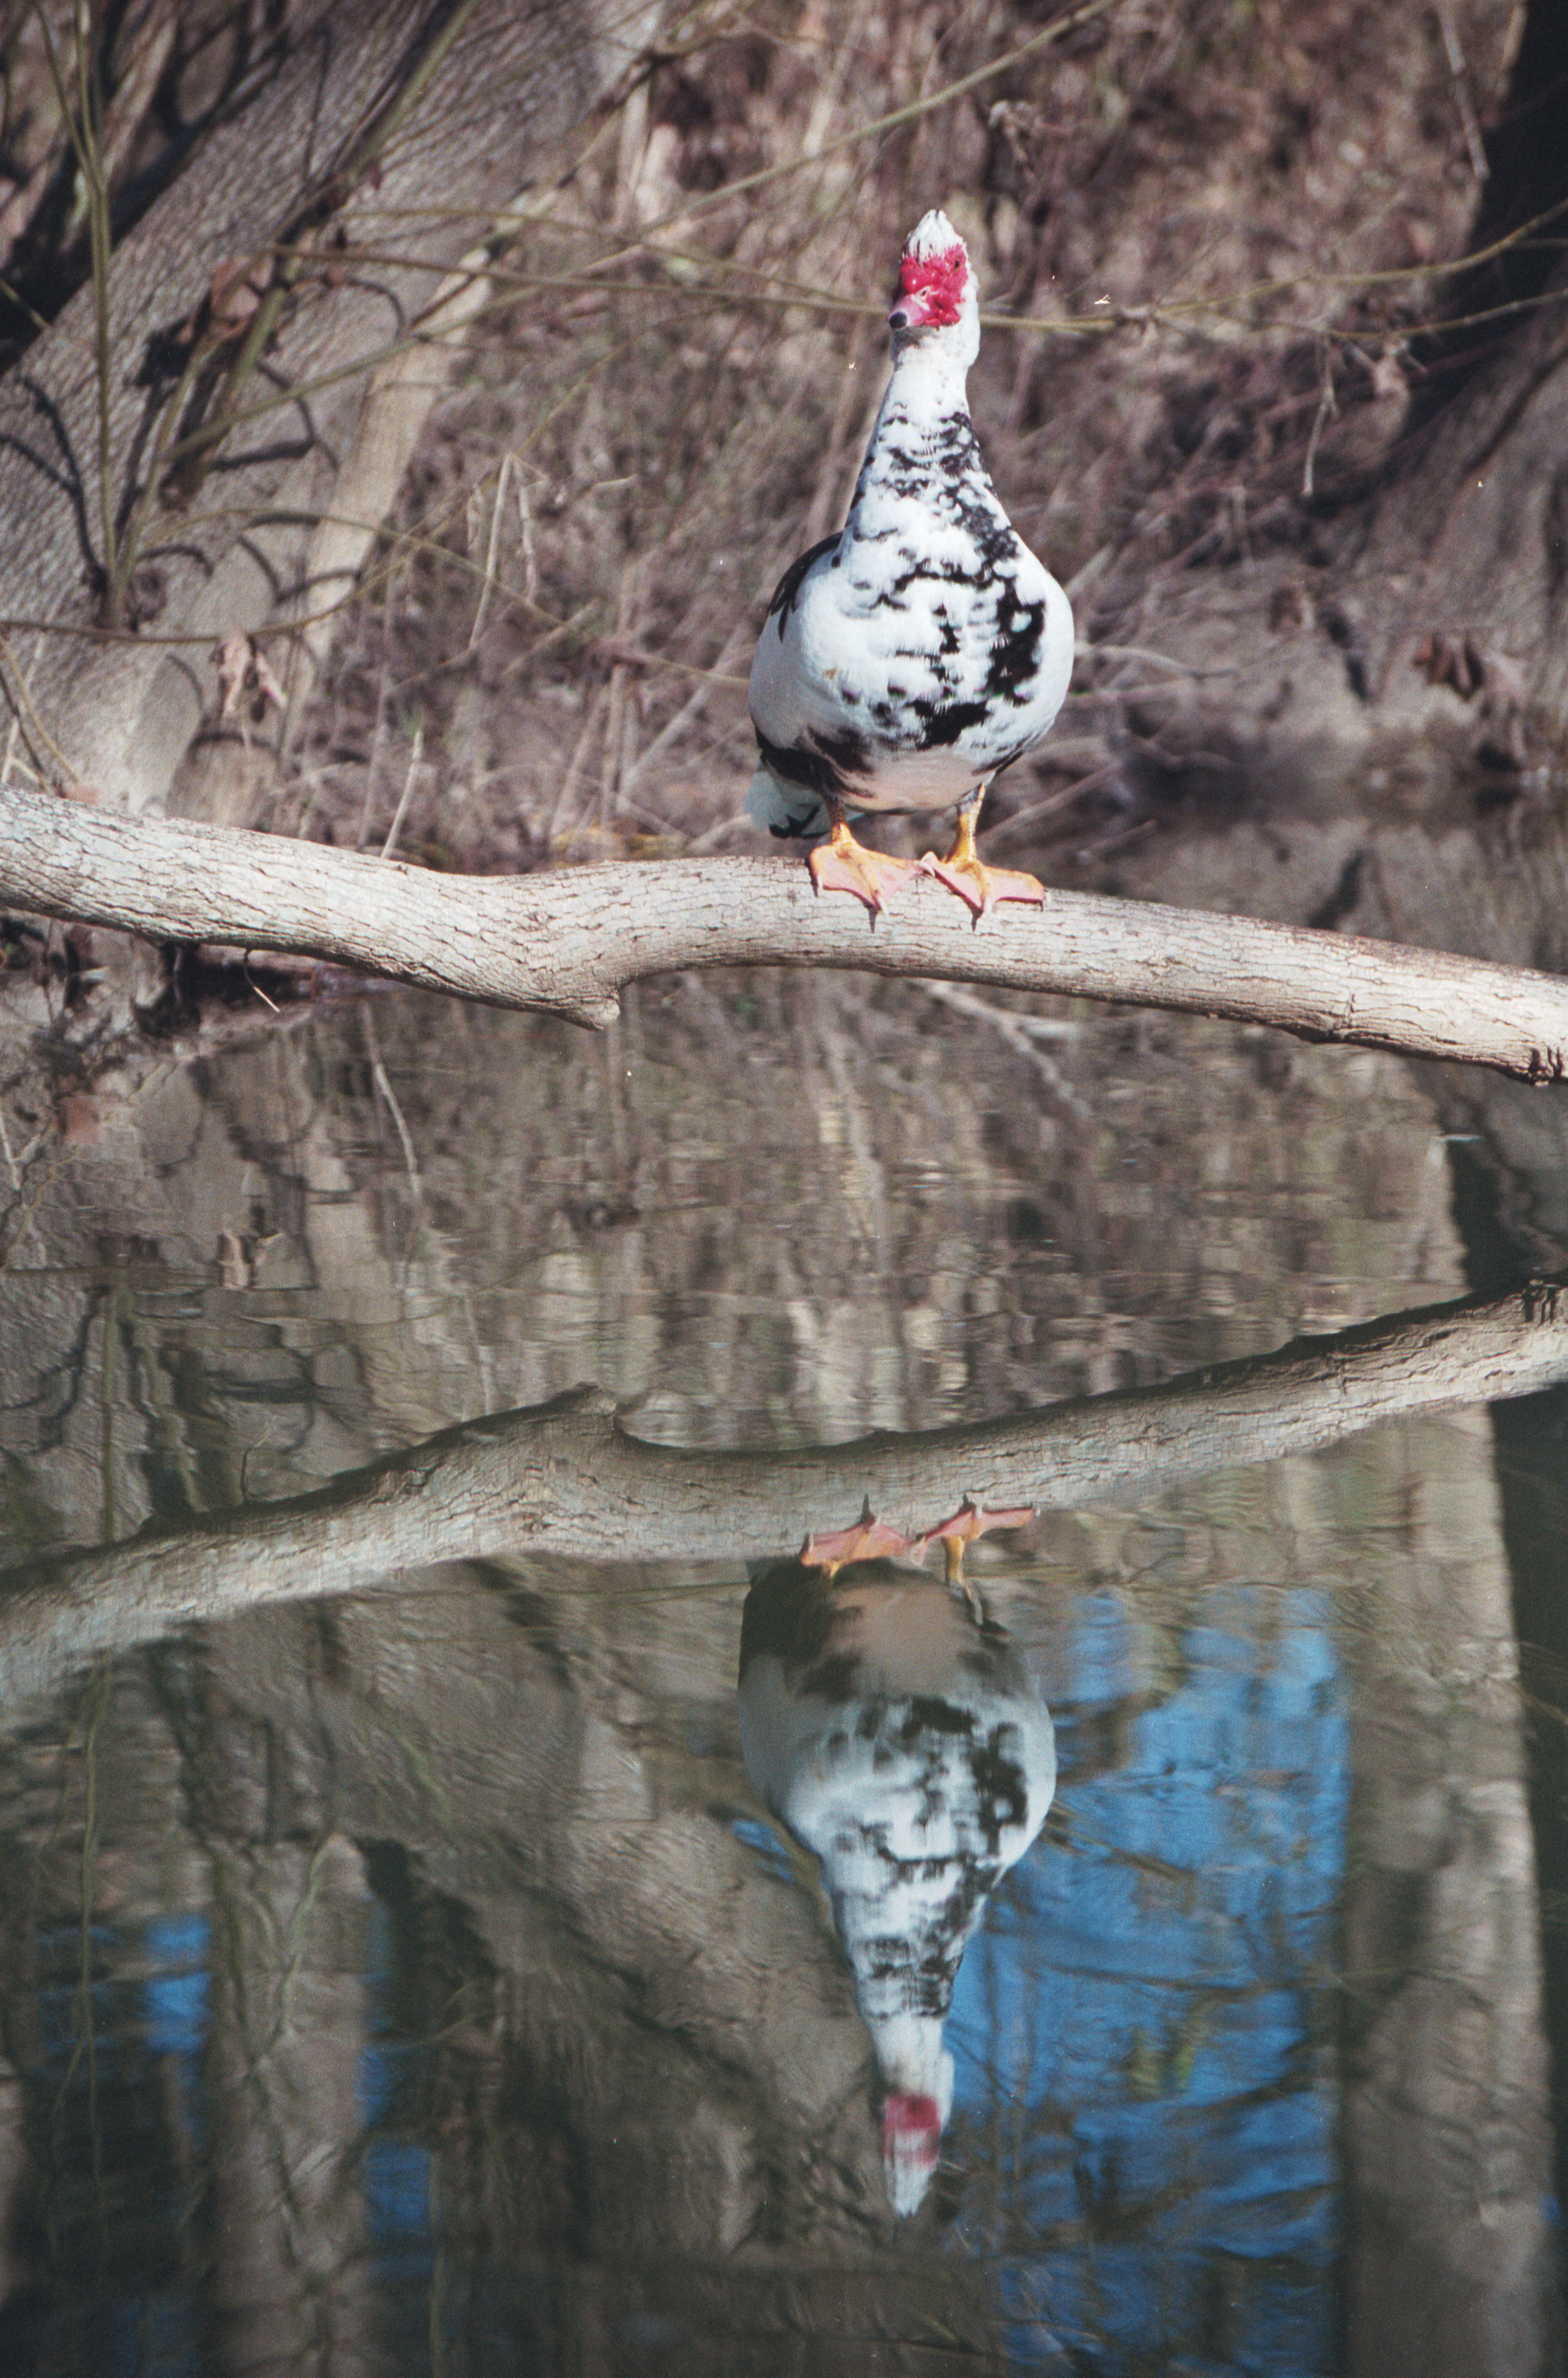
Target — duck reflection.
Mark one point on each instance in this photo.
(900, 1734)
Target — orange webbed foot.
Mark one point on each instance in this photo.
(978, 886)
(869, 1539)
(842, 864)
(965, 873)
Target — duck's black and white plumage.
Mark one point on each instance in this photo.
(907, 660)
(909, 1745)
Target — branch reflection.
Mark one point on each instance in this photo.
(565, 1479)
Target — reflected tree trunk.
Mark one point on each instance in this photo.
(1452, 2265)
(289, 2287)
(14, 2171)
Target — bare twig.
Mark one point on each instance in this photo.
(1327, 408)
(415, 762)
(85, 133)
(22, 703)
(1455, 56)
(193, 456)
(1054, 803)
(693, 706)
(556, 832)
(1020, 1034)
(488, 586)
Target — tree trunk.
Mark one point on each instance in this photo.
(1324, 652)
(568, 942)
(348, 180)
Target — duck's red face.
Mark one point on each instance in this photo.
(931, 290)
(912, 2140)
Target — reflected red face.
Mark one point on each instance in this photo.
(930, 291)
(912, 2141)
(918, 2120)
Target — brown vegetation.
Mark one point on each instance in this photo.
(1208, 224)
(1214, 244)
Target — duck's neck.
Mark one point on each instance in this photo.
(930, 381)
(924, 417)
(911, 2056)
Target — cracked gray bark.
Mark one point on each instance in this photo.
(568, 943)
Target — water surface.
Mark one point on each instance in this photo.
(415, 1978)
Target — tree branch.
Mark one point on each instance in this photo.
(567, 944)
(565, 1480)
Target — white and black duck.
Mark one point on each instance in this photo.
(910, 657)
(905, 1738)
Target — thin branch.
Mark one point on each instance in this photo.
(91, 152)
(568, 943)
(492, 549)
(893, 121)
(24, 713)
(86, 141)
(195, 452)
(1460, 80)
(415, 762)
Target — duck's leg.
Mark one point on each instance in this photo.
(958, 1585)
(842, 864)
(970, 1520)
(978, 886)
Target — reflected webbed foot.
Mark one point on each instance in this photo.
(869, 1539)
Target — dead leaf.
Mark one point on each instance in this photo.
(1287, 608)
(146, 593)
(1505, 681)
(244, 676)
(1450, 660)
(234, 291)
(1388, 378)
(1470, 668)
(79, 1119)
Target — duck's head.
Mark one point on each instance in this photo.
(916, 2074)
(938, 305)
